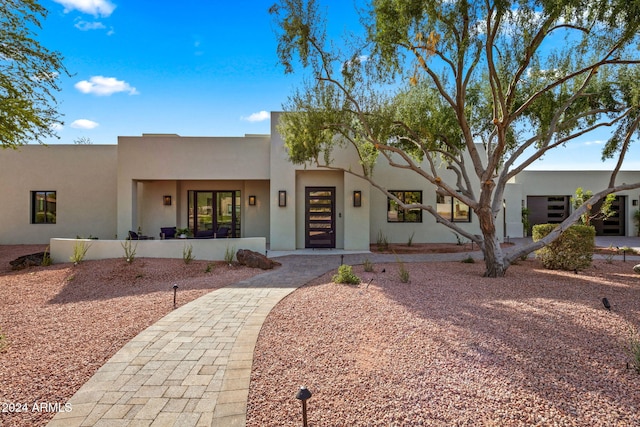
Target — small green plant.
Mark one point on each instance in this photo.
(4, 343)
(346, 275)
(402, 271)
(46, 258)
(210, 267)
(367, 265)
(468, 260)
(187, 254)
(229, 253)
(628, 250)
(634, 349)
(410, 241)
(129, 251)
(183, 231)
(382, 241)
(79, 252)
(608, 257)
(458, 239)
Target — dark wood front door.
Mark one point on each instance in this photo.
(320, 217)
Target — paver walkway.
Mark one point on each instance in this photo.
(192, 367)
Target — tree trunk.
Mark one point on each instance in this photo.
(494, 260)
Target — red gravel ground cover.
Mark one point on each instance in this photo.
(63, 322)
(451, 348)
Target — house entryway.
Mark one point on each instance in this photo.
(320, 217)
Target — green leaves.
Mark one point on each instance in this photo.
(28, 76)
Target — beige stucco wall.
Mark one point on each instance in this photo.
(565, 183)
(287, 223)
(84, 178)
(184, 160)
(203, 249)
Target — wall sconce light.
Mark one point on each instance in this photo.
(166, 200)
(252, 200)
(634, 202)
(282, 198)
(357, 199)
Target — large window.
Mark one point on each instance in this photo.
(43, 207)
(452, 209)
(213, 211)
(396, 214)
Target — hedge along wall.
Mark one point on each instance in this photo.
(573, 250)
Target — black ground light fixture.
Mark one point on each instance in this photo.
(175, 291)
(303, 395)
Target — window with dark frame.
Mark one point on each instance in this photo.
(452, 209)
(43, 207)
(396, 214)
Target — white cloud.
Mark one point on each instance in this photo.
(596, 142)
(57, 126)
(86, 26)
(93, 7)
(84, 124)
(105, 86)
(258, 117)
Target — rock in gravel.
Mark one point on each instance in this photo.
(255, 259)
(26, 261)
(636, 268)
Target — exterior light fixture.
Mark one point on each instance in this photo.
(252, 200)
(357, 199)
(166, 200)
(282, 198)
(303, 395)
(634, 202)
(175, 291)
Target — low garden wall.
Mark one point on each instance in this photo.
(204, 249)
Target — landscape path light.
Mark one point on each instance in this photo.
(175, 291)
(303, 395)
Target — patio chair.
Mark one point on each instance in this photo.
(169, 232)
(223, 232)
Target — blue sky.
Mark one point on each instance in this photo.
(194, 67)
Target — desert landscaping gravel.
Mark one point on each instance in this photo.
(451, 348)
(63, 322)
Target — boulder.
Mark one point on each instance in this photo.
(636, 268)
(254, 259)
(25, 261)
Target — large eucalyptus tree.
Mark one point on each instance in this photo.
(430, 80)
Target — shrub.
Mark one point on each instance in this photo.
(367, 265)
(79, 252)
(229, 253)
(634, 349)
(468, 260)
(410, 241)
(46, 258)
(403, 273)
(129, 251)
(346, 275)
(187, 254)
(573, 250)
(382, 242)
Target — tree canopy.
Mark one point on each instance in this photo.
(28, 76)
(437, 81)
